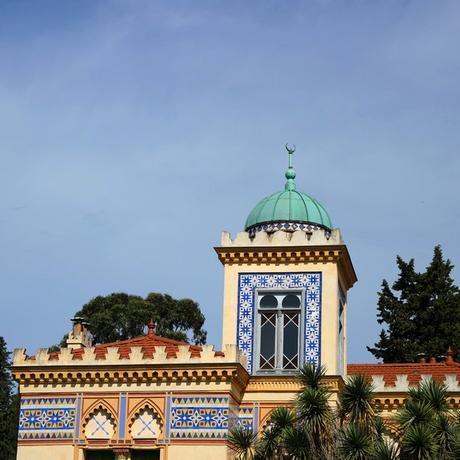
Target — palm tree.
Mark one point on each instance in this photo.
(314, 413)
(311, 430)
(415, 413)
(297, 444)
(427, 426)
(445, 433)
(243, 443)
(432, 393)
(356, 401)
(385, 450)
(418, 443)
(272, 443)
(355, 442)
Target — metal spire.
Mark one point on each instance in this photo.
(290, 173)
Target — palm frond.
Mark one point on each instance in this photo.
(310, 376)
(379, 428)
(385, 450)
(243, 443)
(418, 443)
(297, 444)
(445, 433)
(281, 419)
(355, 442)
(314, 413)
(356, 400)
(415, 413)
(432, 393)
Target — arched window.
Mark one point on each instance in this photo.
(278, 344)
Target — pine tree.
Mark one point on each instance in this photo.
(9, 407)
(420, 312)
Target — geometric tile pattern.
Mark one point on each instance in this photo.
(285, 226)
(199, 417)
(309, 281)
(246, 417)
(47, 418)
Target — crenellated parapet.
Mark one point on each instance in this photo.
(292, 249)
(134, 356)
(127, 364)
(392, 382)
(280, 238)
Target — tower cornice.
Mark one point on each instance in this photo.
(292, 255)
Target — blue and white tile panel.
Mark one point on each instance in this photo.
(207, 417)
(47, 418)
(199, 417)
(248, 283)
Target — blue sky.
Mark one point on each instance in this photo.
(133, 132)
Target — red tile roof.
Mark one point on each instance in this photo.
(414, 371)
(148, 343)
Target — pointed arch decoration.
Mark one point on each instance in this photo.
(99, 423)
(146, 421)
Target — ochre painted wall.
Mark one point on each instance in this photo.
(45, 452)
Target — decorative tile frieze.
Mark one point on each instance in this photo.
(246, 417)
(248, 283)
(47, 418)
(199, 417)
(271, 227)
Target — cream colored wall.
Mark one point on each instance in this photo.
(45, 452)
(329, 307)
(198, 452)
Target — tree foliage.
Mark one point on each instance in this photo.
(420, 312)
(121, 316)
(9, 407)
(426, 428)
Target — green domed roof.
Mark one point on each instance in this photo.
(288, 207)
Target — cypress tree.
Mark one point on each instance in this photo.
(420, 312)
(9, 407)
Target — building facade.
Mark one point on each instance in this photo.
(286, 279)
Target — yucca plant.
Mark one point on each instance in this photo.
(379, 429)
(297, 444)
(415, 413)
(310, 376)
(243, 442)
(385, 450)
(445, 433)
(418, 443)
(314, 414)
(355, 442)
(432, 393)
(271, 443)
(356, 400)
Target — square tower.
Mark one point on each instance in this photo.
(286, 279)
(285, 299)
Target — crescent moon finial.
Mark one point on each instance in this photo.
(290, 151)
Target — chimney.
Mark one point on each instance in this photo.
(151, 328)
(450, 355)
(79, 336)
(421, 358)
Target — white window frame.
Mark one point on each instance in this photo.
(279, 332)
